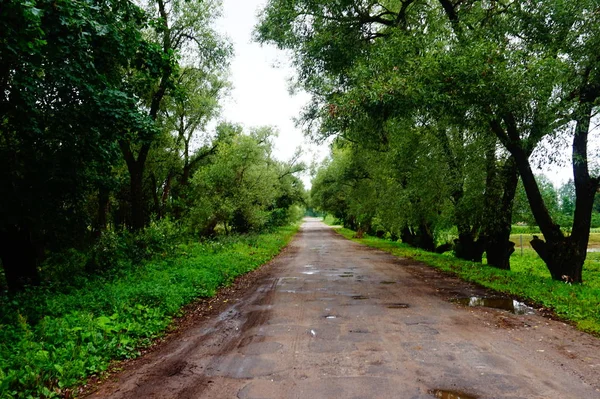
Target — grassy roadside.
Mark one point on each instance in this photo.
(529, 280)
(50, 341)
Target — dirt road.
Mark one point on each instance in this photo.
(330, 318)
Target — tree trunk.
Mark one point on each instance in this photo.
(18, 255)
(564, 256)
(498, 225)
(136, 169)
(420, 237)
(467, 248)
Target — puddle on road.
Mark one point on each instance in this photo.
(310, 272)
(359, 331)
(397, 306)
(387, 282)
(442, 394)
(511, 305)
(346, 275)
(359, 297)
(330, 316)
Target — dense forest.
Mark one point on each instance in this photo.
(108, 125)
(439, 110)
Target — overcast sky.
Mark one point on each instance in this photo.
(260, 75)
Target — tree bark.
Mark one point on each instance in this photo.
(136, 168)
(498, 210)
(421, 237)
(468, 248)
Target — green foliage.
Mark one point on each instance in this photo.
(529, 280)
(243, 188)
(522, 210)
(50, 340)
(502, 79)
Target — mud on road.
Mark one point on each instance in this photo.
(329, 318)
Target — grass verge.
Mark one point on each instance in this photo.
(528, 280)
(50, 341)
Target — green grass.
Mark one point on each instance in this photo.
(51, 341)
(529, 280)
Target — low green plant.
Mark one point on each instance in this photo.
(528, 280)
(50, 339)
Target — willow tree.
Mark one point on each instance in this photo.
(368, 64)
(525, 70)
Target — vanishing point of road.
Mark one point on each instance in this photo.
(330, 318)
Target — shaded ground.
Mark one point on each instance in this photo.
(330, 318)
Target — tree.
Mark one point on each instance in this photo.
(243, 188)
(367, 66)
(61, 107)
(525, 70)
(180, 29)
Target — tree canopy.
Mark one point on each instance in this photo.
(505, 75)
(107, 110)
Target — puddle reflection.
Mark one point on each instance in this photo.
(511, 305)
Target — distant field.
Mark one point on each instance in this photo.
(527, 237)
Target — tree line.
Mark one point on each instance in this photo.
(106, 108)
(439, 108)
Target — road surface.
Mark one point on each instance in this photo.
(329, 318)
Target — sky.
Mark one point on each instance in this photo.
(260, 94)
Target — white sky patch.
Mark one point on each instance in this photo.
(260, 76)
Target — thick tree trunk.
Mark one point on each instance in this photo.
(138, 214)
(18, 255)
(564, 256)
(136, 168)
(498, 225)
(467, 248)
(421, 237)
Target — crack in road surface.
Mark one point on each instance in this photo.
(333, 319)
